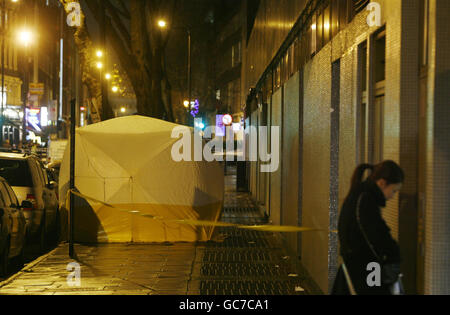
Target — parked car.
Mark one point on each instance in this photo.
(29, 180)
(12, 227)
(53, 170)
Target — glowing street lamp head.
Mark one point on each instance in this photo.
(115, 89)
(123, 109)
(186, 104)
(99, 65)
(108, 76)
(99, 53)
(162, 23)
(25, 37)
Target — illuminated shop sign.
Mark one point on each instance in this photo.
(33, 118)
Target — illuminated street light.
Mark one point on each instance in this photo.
(99, 53)
(123, 109)
(108, 76)
(162, 23)
(115, 89)
(25, 37)
(99, 65)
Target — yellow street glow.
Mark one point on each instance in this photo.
(108, 76)
(25, 37)
(162, 23)
(99, 53)
(115, 89)
(99, 65)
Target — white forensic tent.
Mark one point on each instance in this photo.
(127, 163)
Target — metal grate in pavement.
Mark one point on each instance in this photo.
(240, 242)
(242, 239)
(234, 199)
(238, 256)
(245, 270)
(242, 212)
(243, 215)
(261, 287)
(246, 262)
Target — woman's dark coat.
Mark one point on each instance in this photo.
(354, 248)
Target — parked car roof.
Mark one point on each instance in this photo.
(56, 164)
(14, 156)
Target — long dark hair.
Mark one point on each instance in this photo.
(390, 171)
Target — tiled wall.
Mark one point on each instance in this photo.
(319, 249)
(290, 158)
(437, 254)
(409, 141)
(400, 141)
(316, 165)
(391, 136)
(254, 164)
(275, 177)
(273, 22)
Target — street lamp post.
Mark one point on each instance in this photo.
(3, 56)
(162, 24)
(25, 38)
(25, 101)
(3, 66)
(189, 70)
(103, 83)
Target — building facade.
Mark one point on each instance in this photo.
(228, 65)
(351, 82)
(12, 111)
(38, 70)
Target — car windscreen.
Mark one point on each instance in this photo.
(16, 172)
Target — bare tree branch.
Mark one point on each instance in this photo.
(123, 10)
(118, 22)
(140, 46)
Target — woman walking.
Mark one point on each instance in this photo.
(364, 236)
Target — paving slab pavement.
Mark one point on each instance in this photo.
(238, 262)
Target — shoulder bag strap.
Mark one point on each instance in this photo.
(358, 219)
(351, 288)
